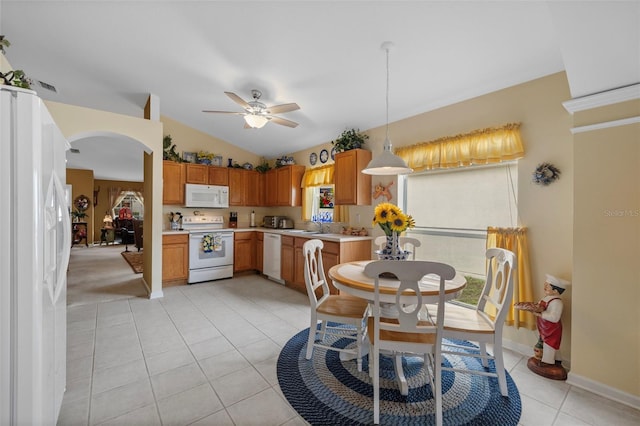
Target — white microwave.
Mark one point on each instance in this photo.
(211, 196)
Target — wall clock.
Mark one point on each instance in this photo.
(333, 153)
(324, 155)
(313, 158)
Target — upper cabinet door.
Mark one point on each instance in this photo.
(218, 176)
(289, 179)
(237, 186)
(352, 188)
(173, 177)
(197, 173)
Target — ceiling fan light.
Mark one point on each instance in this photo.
(387, 163)
(255, 121)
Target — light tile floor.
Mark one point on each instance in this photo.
(206, 354)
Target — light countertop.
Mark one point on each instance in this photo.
(292, 233)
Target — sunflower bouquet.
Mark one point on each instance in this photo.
(391, 219)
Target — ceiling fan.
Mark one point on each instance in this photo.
(256, 114)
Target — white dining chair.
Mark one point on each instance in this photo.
(406, 243)
(325, 307)
(484, 324)
(410, 332)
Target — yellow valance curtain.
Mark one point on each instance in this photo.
(515, 240)
(317, 177)
(486, 146)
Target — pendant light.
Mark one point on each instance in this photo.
(387, 163)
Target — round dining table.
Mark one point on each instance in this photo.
(350, 278)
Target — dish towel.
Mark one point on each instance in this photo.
(207, 243)
(217, 242)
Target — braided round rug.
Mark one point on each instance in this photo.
(326, 391)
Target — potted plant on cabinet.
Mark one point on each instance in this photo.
(349, 139)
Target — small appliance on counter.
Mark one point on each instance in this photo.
(285, 223)
(233, 219)
(272, 221)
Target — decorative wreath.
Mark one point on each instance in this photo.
(546, 173)
(82, 203)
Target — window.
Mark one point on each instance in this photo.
(453, 208)
(132, 201)
(323, 204)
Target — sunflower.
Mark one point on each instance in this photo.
(391, 219)
(399, 223)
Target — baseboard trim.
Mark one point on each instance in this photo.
(152, 294)
(156, 294)
(604, 390)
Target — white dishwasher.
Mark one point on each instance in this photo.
(271, 256)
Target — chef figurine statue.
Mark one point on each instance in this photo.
(548, 312)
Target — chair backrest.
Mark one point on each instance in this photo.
(314, 277)
(497, 293)
(409, 274)
(405, 243)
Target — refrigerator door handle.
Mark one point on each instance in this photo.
(55, 212)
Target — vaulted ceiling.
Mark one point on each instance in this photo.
(323, 55)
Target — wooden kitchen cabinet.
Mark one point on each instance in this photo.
(288, 181)
(298, 262)
(244, 187)
(173, 180)
(259, 251)
(197, 173)
(252, 188)
(262, 188)
(287, 259)
(352, 188)
(237, 183)
(333, 253)
(175, 259)
(270, 188)
(244, 251)
(218, 176)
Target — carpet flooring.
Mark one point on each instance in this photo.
(325, 390)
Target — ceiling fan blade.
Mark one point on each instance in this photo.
(237, 99)
(279, 109)
(225, 112)
(284, 122)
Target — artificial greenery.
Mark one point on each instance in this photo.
(15, 78)
(263, 167)
(170, 150)
(349, 139)
(3, 43)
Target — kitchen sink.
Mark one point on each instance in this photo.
(301, 231)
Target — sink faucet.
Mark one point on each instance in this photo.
(319, 227)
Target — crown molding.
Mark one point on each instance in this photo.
(605, 125)
(609, 97)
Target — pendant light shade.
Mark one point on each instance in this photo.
(387, 163)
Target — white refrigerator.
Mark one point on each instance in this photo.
(35, 243)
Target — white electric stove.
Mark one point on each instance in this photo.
(210, 248)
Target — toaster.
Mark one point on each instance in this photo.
(272, 221)
(285, 223)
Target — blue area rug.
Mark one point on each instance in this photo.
(326, 391)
